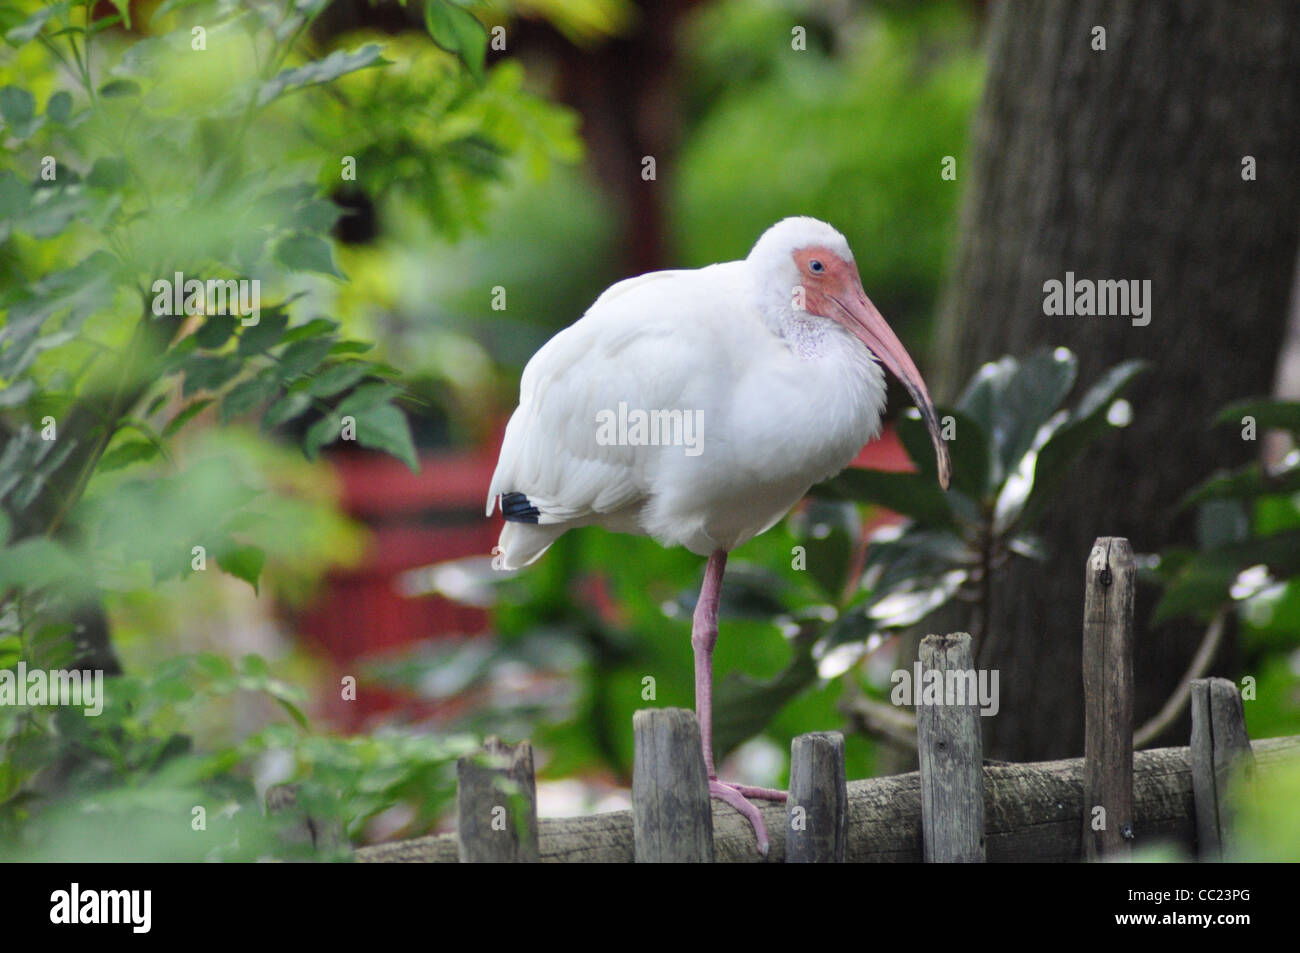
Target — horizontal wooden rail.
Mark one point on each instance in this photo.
(1033, 812)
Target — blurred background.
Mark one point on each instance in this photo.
(510, 166)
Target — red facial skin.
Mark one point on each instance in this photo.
(836, 293)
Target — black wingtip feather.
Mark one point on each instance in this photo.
(517, 508)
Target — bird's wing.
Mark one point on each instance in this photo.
(645, 343)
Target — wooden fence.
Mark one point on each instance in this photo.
(956, 808)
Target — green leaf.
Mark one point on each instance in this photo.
(248, 394)
(1011, 399)
(26, 31)
(303, 252)
(1087, 423)
(457, 31)
(321, 434)
(118, 88)
(968, 448)
(385, 428)
(59, 107)
(216, 331)
(1203, 582)
(185, 416)
(330, 68)
(125, 454)
(1268, 414)
(18, 109)
(264, 335)
(243, 562)
(338, 378)
(830, 532)
(313, 328)
(209, 373)
(364, 398)
(914, 495)
(285, 409)
(303, 356)
(1246, 484)
(108, 173)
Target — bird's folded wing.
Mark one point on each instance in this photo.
(634, 348)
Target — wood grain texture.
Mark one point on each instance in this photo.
(1033, 812)
(673, 820)
(1223, 767)
(817, 809)
(1108, 699)
(496, 805)
(951, 759)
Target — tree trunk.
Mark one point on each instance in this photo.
(1126, 163)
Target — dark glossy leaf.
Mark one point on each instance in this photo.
(108, 173)
(1086, 425)
(914, 495)
(1268, 414)
(1246, 483)
(829, 532)
(1202, 583)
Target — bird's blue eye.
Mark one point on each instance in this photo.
(816, 267)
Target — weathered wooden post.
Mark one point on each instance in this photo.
(817, 810)
(951, 753)
(323, 836)
(672, 819)
(496, 805)
(1223, 765)
(1108, 825)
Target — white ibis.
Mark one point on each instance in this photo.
(734, 387)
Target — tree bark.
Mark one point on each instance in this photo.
(1126, 163)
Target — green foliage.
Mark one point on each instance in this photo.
(208, 160)
(127, 783)
(1012, 444)
(1247, 563)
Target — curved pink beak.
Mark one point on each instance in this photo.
(866, 323)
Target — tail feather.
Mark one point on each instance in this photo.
(522, 544)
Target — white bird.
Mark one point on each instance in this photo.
(698, 407)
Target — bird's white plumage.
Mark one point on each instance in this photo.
(784, 398)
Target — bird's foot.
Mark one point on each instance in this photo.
(736, 794)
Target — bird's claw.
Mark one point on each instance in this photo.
(736, 794)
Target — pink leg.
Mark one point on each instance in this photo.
(704, 636)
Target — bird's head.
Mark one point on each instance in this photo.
(808, 266)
